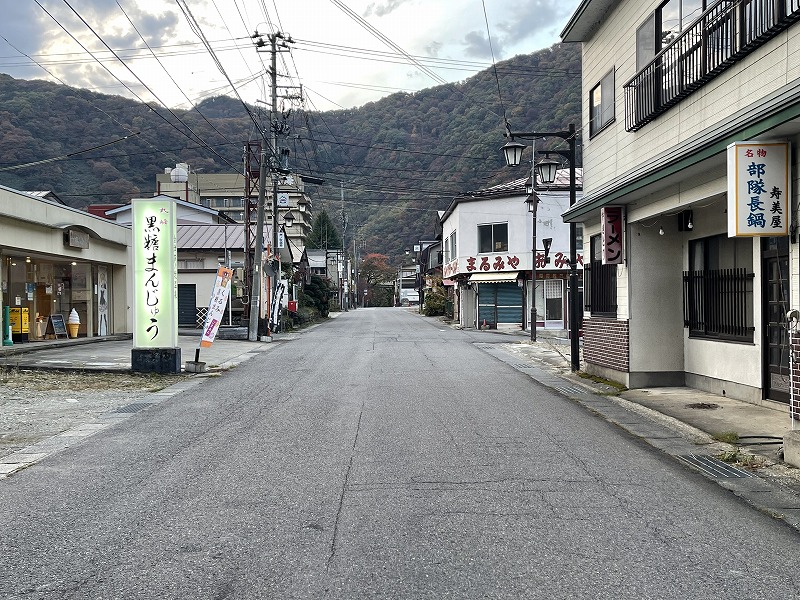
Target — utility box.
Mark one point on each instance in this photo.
(292, 306)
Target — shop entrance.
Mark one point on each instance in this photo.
(775, 269)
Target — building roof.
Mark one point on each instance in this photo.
(47, 195)
(516, 188)
(220, 237)
(585, 20)
(213, 236)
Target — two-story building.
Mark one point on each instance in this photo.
(691, 116)
(487, 256)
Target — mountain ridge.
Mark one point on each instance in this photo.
(394, 161)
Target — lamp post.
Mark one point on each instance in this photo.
(546, 170)
(532, 201)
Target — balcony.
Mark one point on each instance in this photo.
(723, 35)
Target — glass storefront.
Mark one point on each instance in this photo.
(38, 287)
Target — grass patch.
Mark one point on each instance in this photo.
(740, 459)
(618, 387)
(729, 437)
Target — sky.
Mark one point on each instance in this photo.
(344, 53)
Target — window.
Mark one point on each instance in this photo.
(450, 248)
(718, 288)
(665, 25)
(601, 104)
(493, 238)
(601, 281)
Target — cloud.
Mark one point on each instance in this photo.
(433, 48)
(476, 45)
(23, 27)
(381, 9)
(533, 17)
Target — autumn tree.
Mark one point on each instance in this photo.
(375, 269)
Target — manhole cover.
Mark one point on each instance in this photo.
(703, 405)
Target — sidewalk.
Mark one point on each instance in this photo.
(113, 353)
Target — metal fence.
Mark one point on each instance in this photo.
(719, 303)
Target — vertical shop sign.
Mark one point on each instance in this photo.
(216, 307)
(758, 189)
(155, 277)
(611, 228)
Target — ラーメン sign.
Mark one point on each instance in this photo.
(155, 272)
(758, 189)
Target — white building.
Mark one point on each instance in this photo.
(487, 256)
(668, 87)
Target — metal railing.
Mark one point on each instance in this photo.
(719, 304)
(720, 37)
(600, 294)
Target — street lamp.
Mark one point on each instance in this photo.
(532, 201)
(513, 155)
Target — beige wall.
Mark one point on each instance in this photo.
(614, 151)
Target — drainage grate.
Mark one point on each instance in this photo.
(132, 408)
(571, 390)
(521, 366)
(714, 467)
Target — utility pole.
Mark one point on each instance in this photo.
(255, 292)
(278, 42)
(345, 278)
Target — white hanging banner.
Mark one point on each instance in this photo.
(216, 307)
(758, 189)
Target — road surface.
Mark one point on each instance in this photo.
(380, 455)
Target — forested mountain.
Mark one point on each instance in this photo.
(395, 161)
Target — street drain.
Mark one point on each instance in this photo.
(132, 408)
(714, 467)
(703, 405)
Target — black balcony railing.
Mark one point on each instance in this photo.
(720, 37)
(719, 304)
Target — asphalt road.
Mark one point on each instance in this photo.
(379, 456)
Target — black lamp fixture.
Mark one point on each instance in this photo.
(546, 171)
(288, 219)
(529, 188)
(513, 153)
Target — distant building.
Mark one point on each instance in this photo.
(487, 257)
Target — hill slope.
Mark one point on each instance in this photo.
(396, 161)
